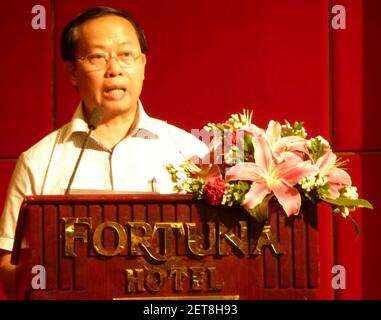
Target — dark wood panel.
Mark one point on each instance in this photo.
(153, 216)
(311, 222)
(299, 253)
(65, 270)
(183, 214)
(139, 212)
(50, 232)
(36, 232)
(255, 273)
(96, 214)
(81, 272)
(233, 274)
(270, 259)
(285, 260)
(108, 234)
(124, 214)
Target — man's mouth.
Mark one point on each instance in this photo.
(114, 92)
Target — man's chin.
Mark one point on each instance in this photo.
(119, 107)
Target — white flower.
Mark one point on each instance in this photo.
(321, 181)
(223, 202)
(209, 127)
(350, 192)
(308, 183)
(237, 125)
(235, 117)
(323, 141)
(183, 185)
(227, 198)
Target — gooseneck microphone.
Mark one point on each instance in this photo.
(95, 119)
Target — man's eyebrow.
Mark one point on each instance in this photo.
(101, 46)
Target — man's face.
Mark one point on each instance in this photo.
(114, 87)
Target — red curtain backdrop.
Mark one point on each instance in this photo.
(208, 59)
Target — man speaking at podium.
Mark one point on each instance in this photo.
(110, 144)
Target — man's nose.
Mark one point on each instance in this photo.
(113, 68)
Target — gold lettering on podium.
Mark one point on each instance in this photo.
(141, 234)
(180, 273)
(158, 244)
(267, 238)
(195, 240)
(197, 278)
(135, 280)
(201, 278)
(213, 285)
(155, 279)
(168, 236)
(72, 233)
(121, 237)
(241, 244)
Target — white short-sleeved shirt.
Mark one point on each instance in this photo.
(47, 166)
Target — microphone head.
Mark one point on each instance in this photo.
(95, 117)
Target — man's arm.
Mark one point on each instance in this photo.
(7, 274)
(20, 185)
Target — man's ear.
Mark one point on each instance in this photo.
(144, 61)
(70, 69)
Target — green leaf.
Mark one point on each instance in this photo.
(341, 201)
(261, 211)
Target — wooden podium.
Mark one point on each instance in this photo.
(144, 246)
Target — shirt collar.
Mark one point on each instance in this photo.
(144, 126)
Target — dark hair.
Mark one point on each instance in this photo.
(69, 39)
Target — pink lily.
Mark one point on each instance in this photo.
(222, 143)
(337, 178)
(270, 176)
(208, 172)
(297, 145)
(253, 130)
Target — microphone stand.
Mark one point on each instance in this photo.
(95, 119)
(78, 161)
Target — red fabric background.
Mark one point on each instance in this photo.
(208, 59)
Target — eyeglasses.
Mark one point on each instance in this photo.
(100, 60)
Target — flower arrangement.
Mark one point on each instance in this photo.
(248, 166)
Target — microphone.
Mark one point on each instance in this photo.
(95, 119)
